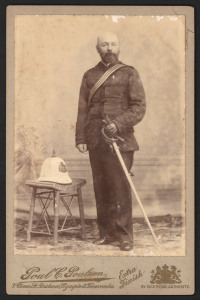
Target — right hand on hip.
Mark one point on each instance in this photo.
(82, 148)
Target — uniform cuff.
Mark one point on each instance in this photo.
(80, 142)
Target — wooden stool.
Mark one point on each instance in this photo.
(56, 192)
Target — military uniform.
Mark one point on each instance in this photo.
(122, 98)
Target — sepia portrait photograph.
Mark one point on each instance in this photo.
(99, 137)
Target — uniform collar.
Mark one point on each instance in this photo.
(107, 65)
(102, 66)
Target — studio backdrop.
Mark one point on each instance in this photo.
(52, 52)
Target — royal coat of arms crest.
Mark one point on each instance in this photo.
(165, 274)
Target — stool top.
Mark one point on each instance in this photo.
(76, 183)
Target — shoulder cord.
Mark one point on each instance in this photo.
(102, 80)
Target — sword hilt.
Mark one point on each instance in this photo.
(109, 139)
(116, 137)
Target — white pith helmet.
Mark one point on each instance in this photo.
(54, 169)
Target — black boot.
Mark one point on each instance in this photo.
(126, 246)
(102, 241)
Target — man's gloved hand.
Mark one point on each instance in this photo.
(82, 148)
(111, 130)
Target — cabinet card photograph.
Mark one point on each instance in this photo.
(100, 150)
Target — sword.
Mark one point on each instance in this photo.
(115, 147)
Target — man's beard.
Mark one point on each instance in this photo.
(109, 58)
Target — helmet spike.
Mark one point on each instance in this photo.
(53, 153)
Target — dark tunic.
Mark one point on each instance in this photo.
(122, 98)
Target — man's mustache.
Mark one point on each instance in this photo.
(108, 54)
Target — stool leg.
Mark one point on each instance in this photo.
(56, 216)
(80, 205)
(30, 221)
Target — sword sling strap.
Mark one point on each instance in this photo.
(102, 80)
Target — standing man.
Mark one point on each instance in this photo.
(110, 89)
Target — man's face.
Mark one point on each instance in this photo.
(108, 47)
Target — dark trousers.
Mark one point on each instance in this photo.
(112, 193)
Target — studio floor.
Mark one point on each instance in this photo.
(170, 232)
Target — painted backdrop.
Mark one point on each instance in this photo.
(51, 54)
